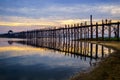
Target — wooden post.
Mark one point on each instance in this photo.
(77, 32)
(102, 30)
(109, 31)
(69, 33)
(97, 31)
(85, 31)
(36, 34)
(59, 33)
(74, 31)
(106, 21)
(53, 37)
(66, 37)
(118, 32)
(91, 27)
(88, 33)
(74, 37)
(55, 41)
(63, 38)
(81, 31)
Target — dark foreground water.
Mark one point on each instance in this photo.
(22, 62)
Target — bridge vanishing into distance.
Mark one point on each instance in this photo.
(107, 30)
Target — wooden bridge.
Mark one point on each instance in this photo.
(106, 30)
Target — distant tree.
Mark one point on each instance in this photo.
(10, 32)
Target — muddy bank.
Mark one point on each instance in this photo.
(107, 69)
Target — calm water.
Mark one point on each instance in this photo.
(19, 61)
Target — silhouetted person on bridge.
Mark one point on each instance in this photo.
(115, 32)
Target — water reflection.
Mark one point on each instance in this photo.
(39, 59)
(10, 42)
(76, 49)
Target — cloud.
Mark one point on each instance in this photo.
(55, 12)
(110, 9)
(59, 14)
(24, 21)
(64, 11)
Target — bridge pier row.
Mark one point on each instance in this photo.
(81, 31)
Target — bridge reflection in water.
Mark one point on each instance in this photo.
(76, 49)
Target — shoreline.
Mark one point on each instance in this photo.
(107, 69)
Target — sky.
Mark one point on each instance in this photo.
(20, 15)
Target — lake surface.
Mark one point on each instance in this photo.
(26, 60)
